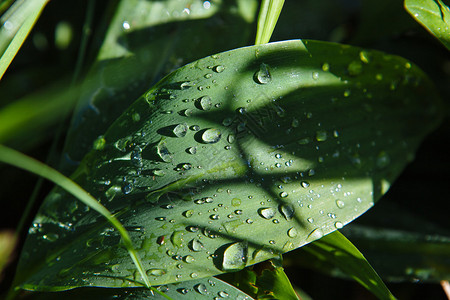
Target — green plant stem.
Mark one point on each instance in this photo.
(19, 160)
(268, 16)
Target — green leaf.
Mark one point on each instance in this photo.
(336, 249)
(206, 288)
(268, 16)
(400, 255)
(434, 15)
(265, 280)
(232, 160)
(146, 40)
(17, 23)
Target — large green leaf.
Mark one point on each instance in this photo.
(234, 159)
(434, 15)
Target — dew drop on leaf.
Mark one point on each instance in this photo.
(219, 69)
(195, 245)
(180, 130)
(156, 272)
(211, 136)
(292, 232)
(201, 289)
(188, 259)
(338, 225)
(315, 234)
(287, 211)
(340, 203)
(262, 76)
(204, 103)
(235, 257)
(266, 212)
(163, 152)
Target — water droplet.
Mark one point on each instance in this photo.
(214, 217)
(211, 136)
(235, 202)
(292, 232)
(223, 294)
(310, 220)
(195, 245)
(263, 76)
(304, 184)
(340, 203)
(185, 85)
(158, 172)
(295, 123)
(191, 150)
(204, 103)
(315, 234)
(51, 237)
(219, 69)
(338, 225)
(122, 143)
(235, 257)
(315, 75)
(227, 122)
(321, 136)
(284, 194)
(267, 212)
(287, 211)
(325, 67)
(249, 221)
(163, 151)
(201, 289)
(364, 56)
(188, 213)
(127, 188)
(136, 157)
(180, 130)
(195, 128)
(156, 272)
(278, 155)
(188, 259)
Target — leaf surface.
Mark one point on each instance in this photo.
(232, 160)
(434, 15)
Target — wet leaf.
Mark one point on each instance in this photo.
(300, 138)
(434, 15)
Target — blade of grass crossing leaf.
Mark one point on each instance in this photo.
(21, 35)
(268, 16)
(19, 160)
(337, 249)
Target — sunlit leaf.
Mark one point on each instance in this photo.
(234, 159)
(434, 15)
